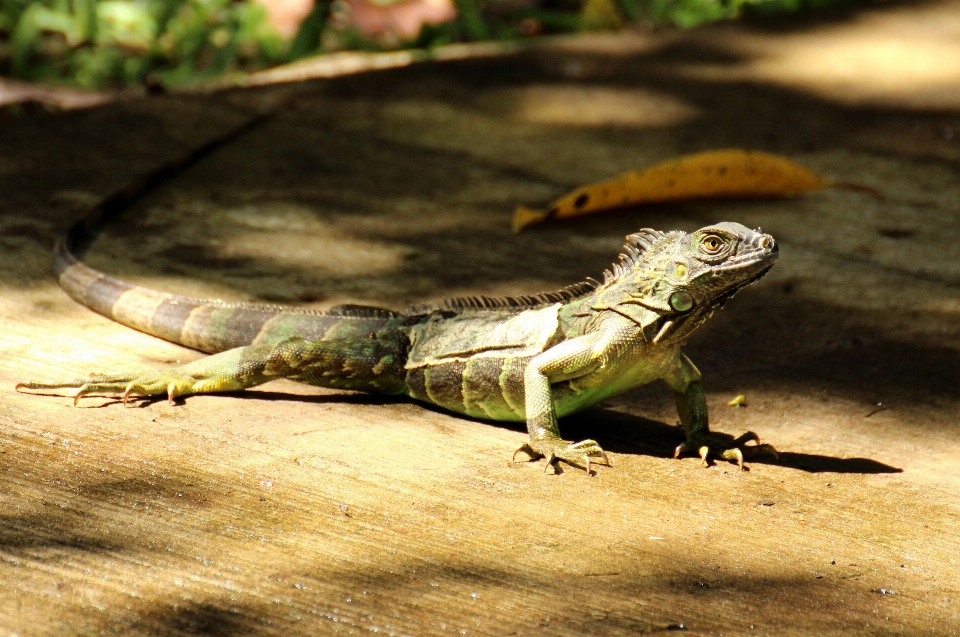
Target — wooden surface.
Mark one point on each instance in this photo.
(291, 510)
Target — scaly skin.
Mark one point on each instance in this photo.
(531, 359)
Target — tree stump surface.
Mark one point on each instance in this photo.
(290, 510)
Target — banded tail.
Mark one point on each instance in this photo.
(207, 325)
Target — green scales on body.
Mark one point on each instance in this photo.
(526, 359)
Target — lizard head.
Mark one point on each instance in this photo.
(681, 278)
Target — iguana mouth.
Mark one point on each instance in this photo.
(749, 262)
(723, 298)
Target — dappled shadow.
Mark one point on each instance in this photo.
(73, 520)
(796, 344)
(56, 530)
(407, 583)
(211, 618)
(69, 515)
(423, 595)
(85, 505)
(365, 178)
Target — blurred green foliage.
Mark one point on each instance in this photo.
(99, 43)
(95, 43)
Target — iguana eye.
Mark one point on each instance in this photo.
(712, 244)
(681, 301)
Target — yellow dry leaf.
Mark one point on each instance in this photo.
(717, 173)
(739, 401)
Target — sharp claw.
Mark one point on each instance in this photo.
(126, 394)
(587, 458)
(738, 450)
(80, 394)
(171, 394)
(550, 460)
(527, 449)
(20, 386)
(606, 458)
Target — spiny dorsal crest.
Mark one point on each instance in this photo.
(633, 253)
(636, 246)
(523, 302)
(361, 311)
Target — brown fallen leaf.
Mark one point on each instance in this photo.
(729, 173)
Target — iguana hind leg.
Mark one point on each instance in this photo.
(371, 363)
(218, 373)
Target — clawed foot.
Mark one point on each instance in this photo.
(737, 450)
(577, 454)
(168, 382)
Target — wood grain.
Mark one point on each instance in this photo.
(290, 511)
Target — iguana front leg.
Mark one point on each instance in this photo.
(363, 364)
(565, 361)
(692, 408)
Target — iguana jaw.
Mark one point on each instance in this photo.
(722, 299)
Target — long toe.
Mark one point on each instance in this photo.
(736, 451)
(580, 454)
(734, 454)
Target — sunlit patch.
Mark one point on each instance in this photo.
(338, 254)
(877, 68)
(608, 44)
(291, 236)
(889, 58)
(580, 105)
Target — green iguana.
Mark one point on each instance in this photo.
(527, 358)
